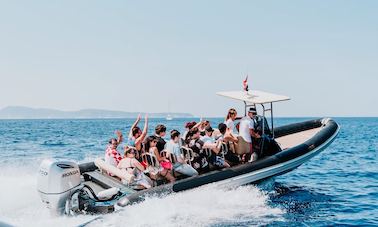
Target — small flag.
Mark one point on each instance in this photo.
(245, 84)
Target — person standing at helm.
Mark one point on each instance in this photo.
(247, 131)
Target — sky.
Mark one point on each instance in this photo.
(159, 56)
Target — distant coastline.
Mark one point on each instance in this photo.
(22, 112)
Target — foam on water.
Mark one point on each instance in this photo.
(20, 202)
(204, 206)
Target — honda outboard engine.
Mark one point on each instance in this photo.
(57, 181)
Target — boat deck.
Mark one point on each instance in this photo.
(294, 139)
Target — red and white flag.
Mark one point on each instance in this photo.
(245, 84)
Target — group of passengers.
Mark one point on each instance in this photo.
(198, 150)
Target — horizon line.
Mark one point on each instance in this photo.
(119, 118)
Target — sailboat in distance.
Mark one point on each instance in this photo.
(169, 116)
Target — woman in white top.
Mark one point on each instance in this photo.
(231, 117)
(133, 166)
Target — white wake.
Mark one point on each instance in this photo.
(208, 205)
(204, 206)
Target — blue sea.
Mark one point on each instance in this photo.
(337, 187)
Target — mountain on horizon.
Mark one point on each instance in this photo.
(22, 112)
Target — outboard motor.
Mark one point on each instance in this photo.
(57, 181)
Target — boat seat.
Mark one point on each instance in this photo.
(292, 140)
(114, 171)
(188, 154)
(97, 192)
(172, 157)
(224, 149)
(150, 160)
(152, 168)
(102, 180)
(95, 187)
(207, 152)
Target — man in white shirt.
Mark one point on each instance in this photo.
(173, 147)
(247, 130)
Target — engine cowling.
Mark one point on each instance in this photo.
(57, 181)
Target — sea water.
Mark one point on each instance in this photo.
(337, 187)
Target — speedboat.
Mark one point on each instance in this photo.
(95, 187)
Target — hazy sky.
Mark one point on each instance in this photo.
(148, 55)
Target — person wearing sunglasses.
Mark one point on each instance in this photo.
(202, 127)
(134, 167)
(247, 132)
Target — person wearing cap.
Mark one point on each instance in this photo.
(247, 130)
(134, 167)
(173, 147)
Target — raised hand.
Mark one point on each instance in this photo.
(118, 133)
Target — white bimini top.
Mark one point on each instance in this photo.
(254, 97)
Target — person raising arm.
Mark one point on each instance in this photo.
(136, 135)
(112, 157)
(133, 126)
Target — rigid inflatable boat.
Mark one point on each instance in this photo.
(70, 188)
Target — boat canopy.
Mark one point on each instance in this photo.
(251, 98)
(254, 97)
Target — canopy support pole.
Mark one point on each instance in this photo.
(245, 108)
(263, 130)
(271, 118)
(263, 122)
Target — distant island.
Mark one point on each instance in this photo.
(21, 112)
